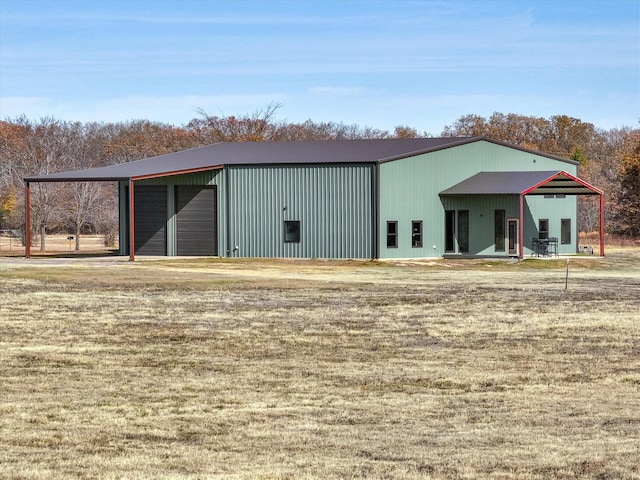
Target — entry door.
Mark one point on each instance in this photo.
(456, 234)
(513, 232)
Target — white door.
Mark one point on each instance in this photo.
(513, 232)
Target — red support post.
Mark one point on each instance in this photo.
(521, 228)
(602, 225)
(27, 220)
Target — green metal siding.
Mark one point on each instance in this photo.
(481, 219)
(332, 202)
(553, 209)
(210, 177)
(123, 218)
(409, 191)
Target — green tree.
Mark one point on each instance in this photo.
(578, 156)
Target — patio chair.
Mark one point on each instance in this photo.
(535, 246)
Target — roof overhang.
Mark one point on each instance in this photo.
(220, 155)
(115, 178)
(522, 183)
(118, 172)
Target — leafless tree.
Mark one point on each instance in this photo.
(46, 151)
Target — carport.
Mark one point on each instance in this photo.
(191, 161)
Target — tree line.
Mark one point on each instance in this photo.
(609, 159)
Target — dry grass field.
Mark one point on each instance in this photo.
(54, 243)
(234, 369)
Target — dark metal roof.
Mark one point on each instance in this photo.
(522, 183)
(253, 153)
(218, 155)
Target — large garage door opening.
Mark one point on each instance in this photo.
(151, 220)
(196, 221)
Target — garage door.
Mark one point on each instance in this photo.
(151, 220)
(196, 221)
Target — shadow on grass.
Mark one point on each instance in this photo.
(86, 254)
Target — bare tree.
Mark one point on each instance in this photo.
(85, 203)
(257, 127)
(46, 151)
(84, 149)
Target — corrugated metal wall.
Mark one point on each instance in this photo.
(123, 218)
(554, 210)
(210, 177)
(481, 218)
(333, 204)
(409, 191)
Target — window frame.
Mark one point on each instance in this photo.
(392, 235)
(450, 231)
(292, 236)
(565, 237)
(500, 234)
(416, 236)
(543, 234)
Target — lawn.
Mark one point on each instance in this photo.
(275, 369)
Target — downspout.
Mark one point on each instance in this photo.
(602, 225)
(375, 207)
(227, 194)
(27, 220)
(132, 223)
(521, 228)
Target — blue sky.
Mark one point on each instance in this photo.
(373, 63)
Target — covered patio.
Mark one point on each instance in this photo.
(549, 184)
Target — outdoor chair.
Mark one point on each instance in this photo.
(535, 247)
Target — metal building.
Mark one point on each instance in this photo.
(388, 198)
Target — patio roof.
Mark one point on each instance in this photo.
(522, 183)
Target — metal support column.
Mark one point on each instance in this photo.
(602, 225)
(132, 223)
(27, 220)
(521, 228)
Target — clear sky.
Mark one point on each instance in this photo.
(374, 63)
